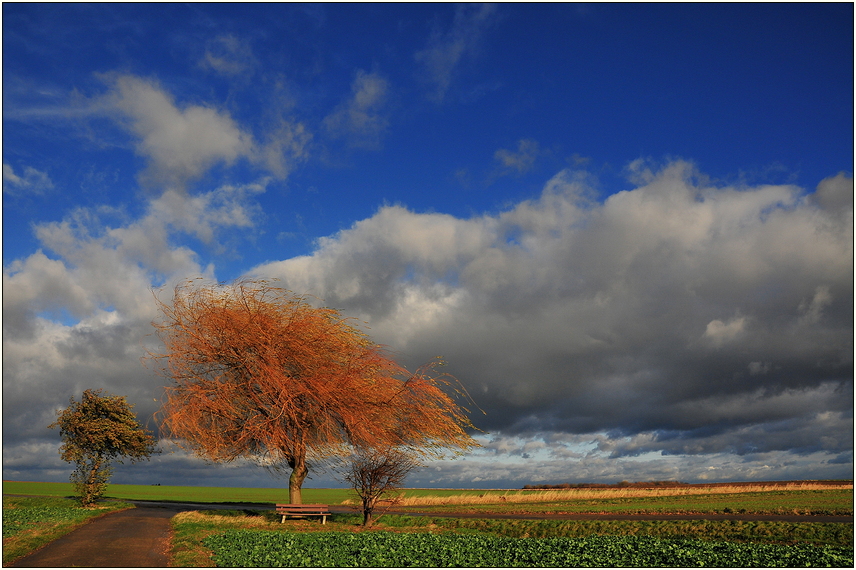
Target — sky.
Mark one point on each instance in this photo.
(627, 228)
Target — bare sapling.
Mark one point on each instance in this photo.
(377, 475)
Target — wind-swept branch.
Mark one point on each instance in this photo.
(257, 372)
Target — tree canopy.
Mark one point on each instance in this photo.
(258, 372)
(95, 431)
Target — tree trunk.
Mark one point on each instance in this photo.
(368, 510)
(295, 481)
(91, 483)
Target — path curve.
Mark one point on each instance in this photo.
(134, 538)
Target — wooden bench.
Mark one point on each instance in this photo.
(300, 511)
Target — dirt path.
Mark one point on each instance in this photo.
(128, 539)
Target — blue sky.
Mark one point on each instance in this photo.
(627, 227)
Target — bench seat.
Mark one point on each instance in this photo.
(300, 511)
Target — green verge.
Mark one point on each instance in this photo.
(31, 522)
(254, 548)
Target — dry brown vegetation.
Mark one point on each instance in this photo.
(536, 496)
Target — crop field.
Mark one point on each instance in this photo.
(252, 549)
(252, 539)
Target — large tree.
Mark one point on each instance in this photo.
(260, 373)
(95, 431)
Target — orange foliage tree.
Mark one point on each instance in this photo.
(259, 373)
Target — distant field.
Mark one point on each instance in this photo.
(762, 498)
(206, 494)
(220, 494)
(182, 493)
(214, 494)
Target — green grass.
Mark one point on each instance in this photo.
(30, 522)
(211, 494)
(182, 493)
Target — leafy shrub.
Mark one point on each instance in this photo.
(241, 548)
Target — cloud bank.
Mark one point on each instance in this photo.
(675, 317)
(677, 329)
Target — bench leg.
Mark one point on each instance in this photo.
(323, 519)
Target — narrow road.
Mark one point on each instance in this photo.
(134, 538)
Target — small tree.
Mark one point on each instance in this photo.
(378, 474)
(95, 431)
(259, 373)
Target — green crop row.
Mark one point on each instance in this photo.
(834, 534)
(247, 549)
(16, 520)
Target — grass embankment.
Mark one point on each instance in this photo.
(31, 522)
(192, 528)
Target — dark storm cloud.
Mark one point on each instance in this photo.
(700, 319)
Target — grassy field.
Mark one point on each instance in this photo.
(182, 493)
(220, 494)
